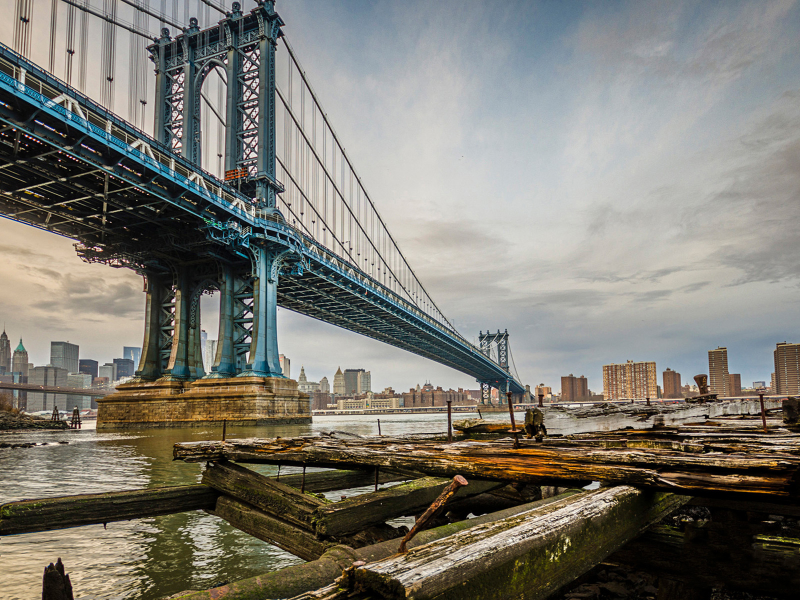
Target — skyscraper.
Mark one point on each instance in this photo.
(124, 367)
(364, 381)
(5, 352)
(64, 356)
(718, 381)
(286, 366)
(630, 380)
(353, 380)
(47, 376)
(672, 384)
(338, 382)
(324, 386)
(19, 362)
(88, 366)
(735, 384)
(787, 369)
(134, 353)
(574, 389)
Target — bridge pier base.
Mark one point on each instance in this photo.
(243, 401)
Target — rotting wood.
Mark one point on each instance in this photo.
(329, 481)
(273, 497)
(46, 514)
(529, 555)
(760, 564)
(55, 583)
(772, 474)
(292, 538)
(354, 513)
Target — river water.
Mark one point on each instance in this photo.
(145, 558)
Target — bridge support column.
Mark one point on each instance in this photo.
(263, 360)
(149, 368)
(178, 365)
(225, 359)
(194, 355)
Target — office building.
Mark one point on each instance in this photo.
(124, 367)
(364, 382)
(133, 353)
(735, 385)
(109, 371)
(672, 384)
(718, 380)
(286, 366)
(338, 382)
(544, 390)
(88, 367)
(631, 380)
(324, 386)
(19, 361)
(304, 385)
(47, 376)
(787, 369)
(82, 381)
(209, 355)
(64, 356)
(574, 389)
(5, 353)
(351, 381)
(759, 384)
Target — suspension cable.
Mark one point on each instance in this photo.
(112, 19)
(161, 17)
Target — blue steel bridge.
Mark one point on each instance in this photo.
(290, 224)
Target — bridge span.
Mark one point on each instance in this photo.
(291, 225)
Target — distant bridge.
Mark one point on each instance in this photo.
(291, 224)
(52, 389)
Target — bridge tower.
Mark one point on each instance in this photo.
(495, 346)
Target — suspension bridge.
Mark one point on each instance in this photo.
(279, 216)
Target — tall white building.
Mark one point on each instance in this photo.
(286, 366)
(324, 386)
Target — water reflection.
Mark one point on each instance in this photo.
(147, 558)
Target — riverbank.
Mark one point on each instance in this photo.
(16, 422)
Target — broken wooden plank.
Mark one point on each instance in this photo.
(773, 474)
(329, 481)
(352, 514)
(292, 538)
(529, 555)
(273, 497)
(62, 512)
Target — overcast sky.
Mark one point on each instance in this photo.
(608, 181)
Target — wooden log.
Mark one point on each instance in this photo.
(759, 564)
(353, 514)
(55, 583)
(273, 497)
(292, 538)
(329, 481)
(529, 555)
(776, 474)
(63, 512)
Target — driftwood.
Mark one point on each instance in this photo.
(55, 583)
(529, 555)
(769, 474)
(45, 514)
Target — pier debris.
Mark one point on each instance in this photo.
(434, 509)
(55, 583)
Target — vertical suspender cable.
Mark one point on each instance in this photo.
(51, 63)
(70, 44)
(108, 57)
(83, 50)
(22, 25)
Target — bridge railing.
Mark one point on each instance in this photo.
(114, 128)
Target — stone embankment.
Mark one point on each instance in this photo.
(11, 422)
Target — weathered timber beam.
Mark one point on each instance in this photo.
(273, 497)
(759, 564)
(529, 555)
(329, 481)
(295, 540)
(297, 579)
(769, 508)
(776, 476)
(46, 514)
(353, 514)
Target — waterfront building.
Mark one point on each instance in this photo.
(88, 367)
(735, 385)
(65, 356)
(124, 367)
(718, 380)
(351, 381)
(759, 384)
(544, 390)
(109, 371)
(787, 369)
(338, 382)
(368, 400)
(630, 380)
(134, 353)
(574, 389)
(5, 353)
(19, 362)
(47, 376)
(427, 395)
(672, 384)
(304, 385)
(364, 382)
(324, 386)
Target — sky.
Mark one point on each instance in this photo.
(608, 181)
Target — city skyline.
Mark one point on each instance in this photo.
(638, 123)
